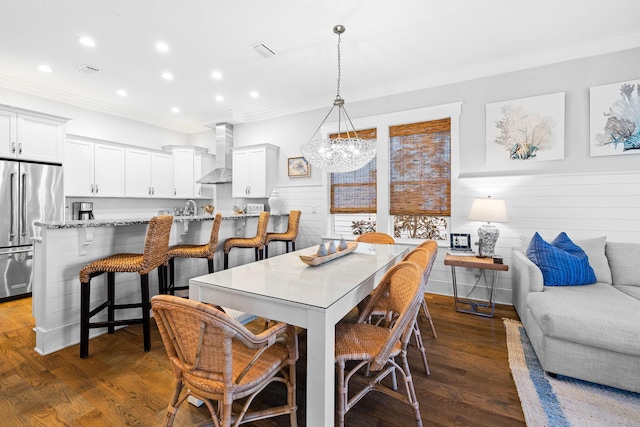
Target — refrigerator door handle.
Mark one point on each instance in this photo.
(12, 208)
(23, 214)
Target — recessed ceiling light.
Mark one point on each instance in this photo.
(219, 98)
(87, 41)
(216, 75)
(122, 92)
(254, 94)
(167, 75)
(162, 47)
(175, 110)
(45, 68)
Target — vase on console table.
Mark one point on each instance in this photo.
(274, 202)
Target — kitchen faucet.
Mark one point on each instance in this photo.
(190, 208)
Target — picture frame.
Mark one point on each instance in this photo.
(460, 242)
(298, 167)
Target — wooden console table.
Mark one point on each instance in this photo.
(475, 306)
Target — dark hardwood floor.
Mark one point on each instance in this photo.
(120, 385)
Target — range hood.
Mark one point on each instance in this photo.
(224, 142)
(216, 176)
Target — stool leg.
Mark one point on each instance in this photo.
(286, 247)
(84, 319)
(146, 323)
(210, 264)
(293, 246)
(111, 296)
(226, 260)
(257, 254)
(266, 251)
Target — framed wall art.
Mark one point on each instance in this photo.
(298, 167)
(615, 119)
(525, 130)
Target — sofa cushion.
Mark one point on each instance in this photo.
(624, 261)
(632, 291)
(596, 315)
(562, 262)
(595, 250)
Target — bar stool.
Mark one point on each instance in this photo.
(256, 242)
(288, 236)
(193, 251)
(154, 256)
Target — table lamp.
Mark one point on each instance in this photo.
(489, 210)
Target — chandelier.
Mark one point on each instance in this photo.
(346, 152)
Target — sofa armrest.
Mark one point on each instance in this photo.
(527, 277)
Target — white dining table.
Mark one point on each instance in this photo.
(285, 289)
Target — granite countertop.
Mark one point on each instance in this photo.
(118, 222)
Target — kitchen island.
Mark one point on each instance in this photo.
(63, 248)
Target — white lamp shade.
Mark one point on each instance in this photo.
(488, 210)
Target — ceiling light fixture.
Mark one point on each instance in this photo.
(347, 152)
(162, 47)
(87, 41)
(175, 110)
(167, 75)
(254, 94)
(122, 92)
(219, 98)
(217, 75)
(45, 68)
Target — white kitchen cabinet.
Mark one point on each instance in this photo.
(93, 169)
(254, 170)
(203, 163)
(31, 136)
(186, 162)
(148, 173)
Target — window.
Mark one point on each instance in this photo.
(420, 179)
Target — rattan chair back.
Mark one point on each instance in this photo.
(213, 238)
(375, 237)
(217, 359)
(292, 229)
(157, 243)
(400, 290)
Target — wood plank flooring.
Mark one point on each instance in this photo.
(121, 385)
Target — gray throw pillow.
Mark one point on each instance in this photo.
(595, 250)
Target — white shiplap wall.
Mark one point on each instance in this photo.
(582, 205)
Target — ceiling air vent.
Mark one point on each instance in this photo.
(263, 50)
(88, 69)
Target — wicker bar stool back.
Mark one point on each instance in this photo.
(206, 250)
(432, 246)
(154, 256)
(375, 237)
(217, 360)
(382, 349)
(288, 236)
(257, 242)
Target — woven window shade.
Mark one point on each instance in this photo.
(420, 178)
(355, 192)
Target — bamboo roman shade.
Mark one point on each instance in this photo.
(355, 192)
(420, 173)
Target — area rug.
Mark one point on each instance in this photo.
(564, 401)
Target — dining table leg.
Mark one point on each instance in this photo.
(320, 369)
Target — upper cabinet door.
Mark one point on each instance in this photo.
(7, 133)
(78, 167)
(137, 173)
(183, 180)
(254, 170)
(161, 175)
(40, 139)
(240, 174)
(109, 170)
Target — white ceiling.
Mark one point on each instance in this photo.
(388, 47)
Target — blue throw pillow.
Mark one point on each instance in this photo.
(563, 263)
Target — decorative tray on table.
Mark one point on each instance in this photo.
(317, 260)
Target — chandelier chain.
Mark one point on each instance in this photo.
(339, 67)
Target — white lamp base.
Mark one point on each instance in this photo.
(488, 236)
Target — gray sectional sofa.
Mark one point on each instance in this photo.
(590, 332)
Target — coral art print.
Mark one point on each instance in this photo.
(615, 119)
(525, 130)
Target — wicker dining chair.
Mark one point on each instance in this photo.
(218, 361)
(154, 256)
(257, 242)
(206, 250)
(431, 245)
(379, 350)
(288, 236)
(375, 237)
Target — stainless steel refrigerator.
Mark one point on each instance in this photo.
(28, 192)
